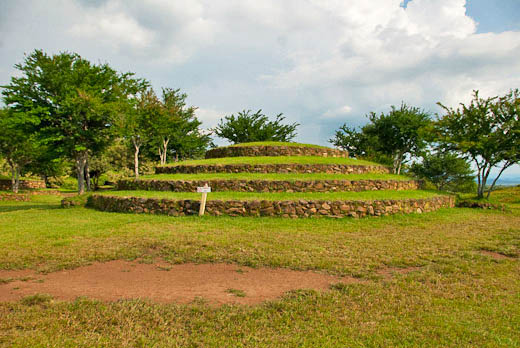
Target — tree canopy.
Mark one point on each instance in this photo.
(395, 135)
(487, 131)
(248, 127)
(446, 170)
(70, 102)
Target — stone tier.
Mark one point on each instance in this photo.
(14, 197)
(274, 168)
(269, 185)
(293, 209)
(5, 184)
(266, 150)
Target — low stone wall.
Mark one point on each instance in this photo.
(273, 168)
(269, 185)
(5, 184)
(293, 209)
(19, 197)
(254, 151)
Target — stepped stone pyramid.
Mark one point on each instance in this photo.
(273, 179)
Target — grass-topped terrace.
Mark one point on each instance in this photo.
(277, 143)
(274, 176)
(274, 160)
(284, 196)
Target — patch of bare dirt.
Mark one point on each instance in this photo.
(388, 272)
(495, 255)
(166, 283)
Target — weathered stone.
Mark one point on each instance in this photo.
(5, 184)
(268, 185)
(266, 150)
(270, 208)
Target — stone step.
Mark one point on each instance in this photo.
(255, 208)
(273, 168)
(269, 185)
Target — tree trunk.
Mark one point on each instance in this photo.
(485, 174)
(81, 161)
(136, 161)
(87, 174)
(397, 163)
(163, 150)
(495, 181)
(15, 178)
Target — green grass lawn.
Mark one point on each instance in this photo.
(282, 196)
(274, 176)
(459, 297)
(275, 160)
(277, 143)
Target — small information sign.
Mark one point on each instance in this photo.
(204, 190)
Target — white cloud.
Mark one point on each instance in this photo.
(306, 58)
(209, 117)
(339, 112)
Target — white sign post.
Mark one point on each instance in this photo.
(204, 190)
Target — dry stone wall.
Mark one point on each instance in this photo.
(269, 185)
(14, 197)
(293, 209)
(273, 168)
(5, 184)
(264, 150)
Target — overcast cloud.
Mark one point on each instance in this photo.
(321, 63)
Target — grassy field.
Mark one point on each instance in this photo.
(274, 176)
(457, 297)
(274, 160)
(282, 196)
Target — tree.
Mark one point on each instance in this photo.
(446, 171)
(248, 127)
(133, 123)
(72, 103)
(399, 133)
(17, 148)
(487, 131)
(175, 128)
(395, 135)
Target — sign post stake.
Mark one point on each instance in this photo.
(204, 190)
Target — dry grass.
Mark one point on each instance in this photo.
(458, 297)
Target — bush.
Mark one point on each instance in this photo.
(446, 171)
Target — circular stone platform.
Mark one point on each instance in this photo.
(269, 150)
(273, 168)
(255, 208)
(218, 185)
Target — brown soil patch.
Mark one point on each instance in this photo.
(388, 272)
(165, 283)
(495, 255)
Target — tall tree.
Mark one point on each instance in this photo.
(134, 122)
(487, 131)
(72, 101)
(248, 127)
(175, 128)
(17, 147)
(396, 135)
(400, 133)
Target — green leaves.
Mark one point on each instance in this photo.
(68, 103)
(487, 131)
(395, 135)
(248, 127)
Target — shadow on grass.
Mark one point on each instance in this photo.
(11, 208)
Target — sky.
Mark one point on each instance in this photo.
(321, 63)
